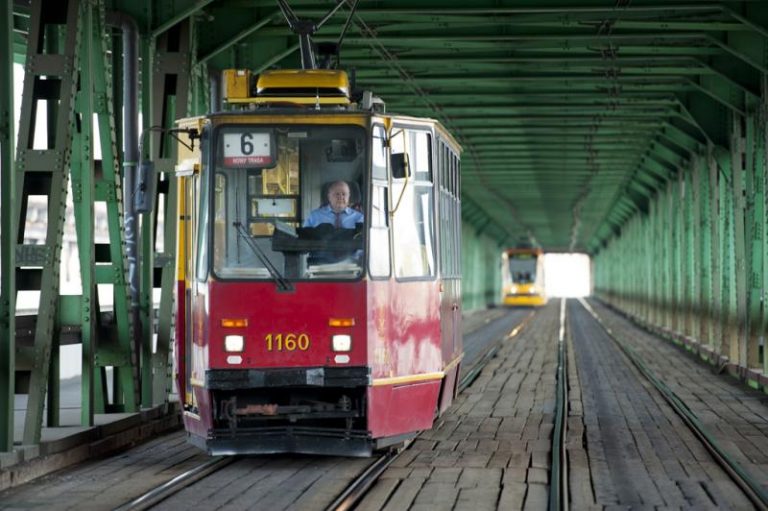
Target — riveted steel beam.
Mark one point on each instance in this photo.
(53, 52)
(8, 220)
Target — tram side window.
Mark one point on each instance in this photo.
(420, 150)
(445, 205)
(457, 209)
(412, 229)
(379, 263)
(219, 216)
(456, 213)
(450, 213)
(379, 236)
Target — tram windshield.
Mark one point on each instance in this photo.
(522, 268)
(287, 202)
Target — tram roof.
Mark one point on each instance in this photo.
(287, 112)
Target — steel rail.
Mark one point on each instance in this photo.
(741, 477)
(351, 494)
(175, 485)
(362, 483)
(558, 489)
(474, 372)
(357, 489)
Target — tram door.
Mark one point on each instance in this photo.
(195, 245)
(188, 216)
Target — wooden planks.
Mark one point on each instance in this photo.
(638, 450)
(492, 448)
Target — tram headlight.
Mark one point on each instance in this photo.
(341, 342)
(234, 343)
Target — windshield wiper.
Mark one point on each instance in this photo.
(282, 283)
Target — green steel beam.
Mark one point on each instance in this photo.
(740, 261)
(7, 227)
(179, 16)
(53, 163)
(112, 269)
(166, 97)
(754, 214)
(225, 45)
(82, 182)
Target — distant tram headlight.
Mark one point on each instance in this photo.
(341, 342)
(234, 343)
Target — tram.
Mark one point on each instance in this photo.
(522, 271)
(297, 336)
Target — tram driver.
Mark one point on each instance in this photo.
(337, 211)
(336, 214)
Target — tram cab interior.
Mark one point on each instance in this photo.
(523, 277)
(267, 205)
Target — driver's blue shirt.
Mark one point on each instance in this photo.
(325, 215)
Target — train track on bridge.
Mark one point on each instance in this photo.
(748, 484)
(354, 491)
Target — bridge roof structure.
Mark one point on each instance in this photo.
(571, 113)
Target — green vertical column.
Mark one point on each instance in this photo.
(646, 278)
(82, 198)
(168, 61)
(654, 263)
(740, 261)
(631, 258)
(689, 262)
(7, 227)
(763, 164)
(669, 259)
(637, 255)
(696, 310)
(55, 162)
(754, 216)
(704, 249)
(149, 108)
(716, 223)
(109, 190)
(677, 207)
(728, 274)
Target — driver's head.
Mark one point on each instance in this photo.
(338, 196)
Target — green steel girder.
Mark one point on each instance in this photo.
(659, 151)
(167, 96)
(7, 225)
(83, 198)
(40, 264)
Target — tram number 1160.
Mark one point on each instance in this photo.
(287, 342)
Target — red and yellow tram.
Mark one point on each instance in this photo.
(327, 338)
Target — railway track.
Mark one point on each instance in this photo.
(351, 495)
(176, 484)
(738, 475)
(558, 488)
(356, 490)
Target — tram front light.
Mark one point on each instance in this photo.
(341, 342)
(234, 343)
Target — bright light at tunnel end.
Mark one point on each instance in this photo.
(567, 275)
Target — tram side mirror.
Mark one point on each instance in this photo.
(399, 164)
(144, 193)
